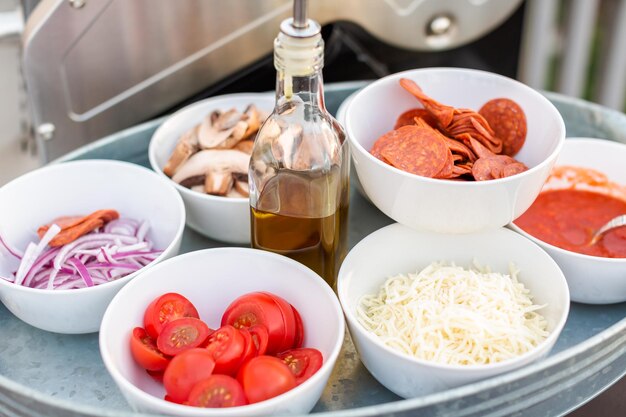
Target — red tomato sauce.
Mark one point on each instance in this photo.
(568, 218)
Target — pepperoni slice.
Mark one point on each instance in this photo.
(513, 169)
(447, 170)
(479, 149)
(441, 112)
(459, 170)
(483, 168)
(408, 118)
(416, 150)
(460, 149)
(508, 121)
(496, 166)
(74, 227)
(389, 137)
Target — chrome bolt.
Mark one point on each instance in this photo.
(440, 31)
(439, 25)
(46, 131)
(77, 4)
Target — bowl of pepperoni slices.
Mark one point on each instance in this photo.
(452, 150)
(224, 331)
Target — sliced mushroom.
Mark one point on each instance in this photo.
(208, 137)
(212, 134)
(227, 120)
(218, 182)
(245, 146)
(271, 129)
(253, 119)
(193, 181)
(213, 160)
(214, 156)
(242, 188)
(236, 136)
(287, 144)
(187, 145)
(240, 176)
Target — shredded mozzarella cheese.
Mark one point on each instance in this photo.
(451, 315)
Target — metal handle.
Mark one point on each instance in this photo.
(618, 221)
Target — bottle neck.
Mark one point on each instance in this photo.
(308, 89)
(298, 63)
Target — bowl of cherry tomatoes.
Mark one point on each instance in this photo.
(226, 331)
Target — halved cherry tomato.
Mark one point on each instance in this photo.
(156, 375)
(217, 391)
(259, 337)
(302, 362)
(288, 319)
(170, 399)
(226, 345)
(249, 350)
(265, 377)
(186, 370)
(182, 334)
(299, 339)
(166, 308)
(145, 352)
(258, 308)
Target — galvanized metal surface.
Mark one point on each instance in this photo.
(44, 374)
(109, 64)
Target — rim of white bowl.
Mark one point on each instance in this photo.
(575, 141)
(552, 156)
(166, 406)
(173, 120)
(120, 281)
(554, 333)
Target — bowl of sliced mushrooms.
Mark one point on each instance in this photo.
(205, 150)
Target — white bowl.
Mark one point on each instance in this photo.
(73, 188)
(591, 279)
(222, 218)
(451, 206)
(211, 279)
(398, 249)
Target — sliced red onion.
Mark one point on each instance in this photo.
(31, 254)
(82, 271)
(43, 259)
(51, 278)
(142, 230)
(93, 259)
(107, 256)
(90, 241)
(15, 252)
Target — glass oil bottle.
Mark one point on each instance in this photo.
(299, 169)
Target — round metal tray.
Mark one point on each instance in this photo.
(46, 374)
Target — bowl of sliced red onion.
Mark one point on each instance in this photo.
(72, 234)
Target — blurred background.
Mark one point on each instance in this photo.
(73, 71)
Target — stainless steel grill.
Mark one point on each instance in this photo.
(94, 67)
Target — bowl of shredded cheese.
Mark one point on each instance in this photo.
(429, 311)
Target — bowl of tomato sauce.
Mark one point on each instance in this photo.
(586, 189)
(223, 331)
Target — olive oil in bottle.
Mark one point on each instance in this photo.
(299, 185)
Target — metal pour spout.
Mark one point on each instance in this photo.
(299, 14)
(299, 26)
